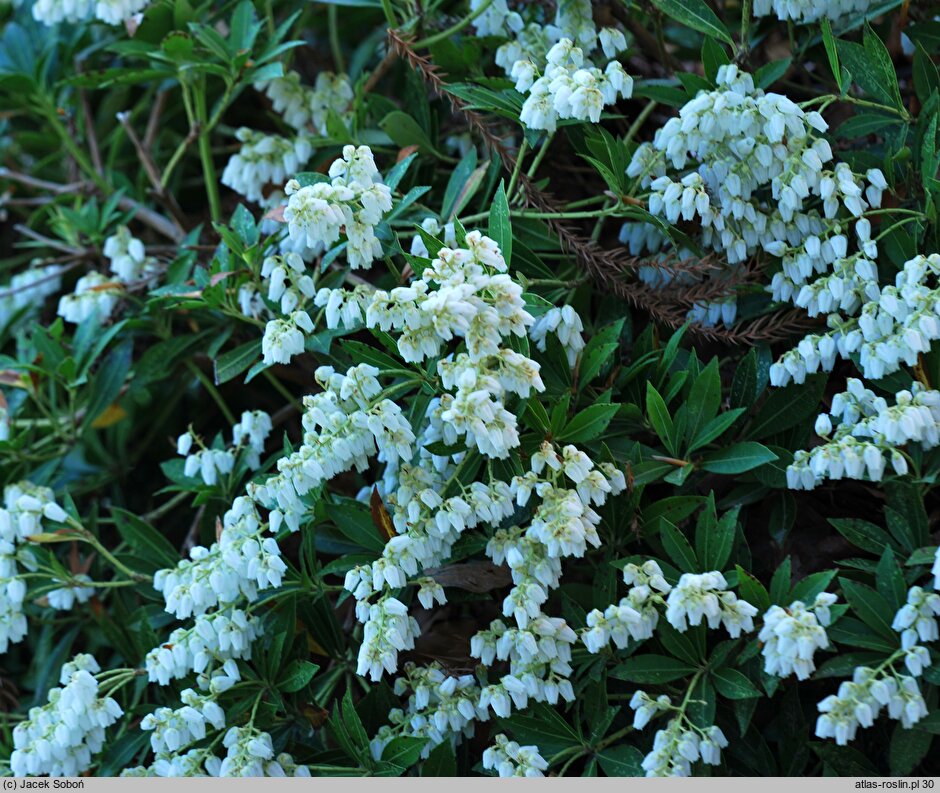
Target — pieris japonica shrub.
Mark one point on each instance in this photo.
(469, 388)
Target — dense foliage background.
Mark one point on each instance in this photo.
(466, 547)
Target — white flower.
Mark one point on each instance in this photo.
(509, 759)
(704, 596)
(262, 160)
(61, 737)
(791, 637)
(95, 296)
(566, 325)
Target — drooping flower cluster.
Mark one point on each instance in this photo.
(97, 295)
(214, 639)
(807, 11)
(509, 759)
(24, 294)
(353, 201)
(751, 168)
(791, 636)
(859, 701)
(112, 12)
(25, 506)
(440, 707)
(565, 323)
(173, 730)
(636, 616)
(264, 159)
(239, 564)
(248, 437)
(705, 596)
(893, 326)
(680, 743)
(871, 434)
(61, 737)
(568, 69)
(303, 107)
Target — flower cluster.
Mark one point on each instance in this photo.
(558, 65)
(24, 294)
(249, 435)
(791, 636)
(303, 107)
(807, 11)
(440, 707)
(264, 159)
(96, 295)
(25, 506)
(61, 737)
(869, 436)
(680, 743)
(636, 616)
(706, 596)
(173, 730)
(893, 326)
(750, 167)
(860, 701)
(354, 200)
(214, 639)
(112, 12)
(510, 759)
(239, 564)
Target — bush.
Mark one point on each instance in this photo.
(395, 388)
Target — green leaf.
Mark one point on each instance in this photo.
(403, 751)
(243, 223)
(752, 590)
(926, 78)
(405, 131)
(588, 424)
(621, 761)
(678, 547)
(738, 458)
(146, 541)
(457, 186)
(500, 226)
(108, 381)
(543, 726)
(659, 416)
(780, 583)
(704, 399)
(844, 760)
(889, 579)
(232, 363)
(732, 684)
(715, 541)
(810, 587)
(871, 608)
(297, 675)
(697, 15)
(651, 669)
(862, 534)
(907, 749)
(829, 43)
(441, 761)
(787, 407)
(354, 520)
(715, 429)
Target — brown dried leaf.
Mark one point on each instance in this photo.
(472, 576)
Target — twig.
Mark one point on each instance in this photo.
(48, 241)
(41, 184)
(152, 171)
(153, 122)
